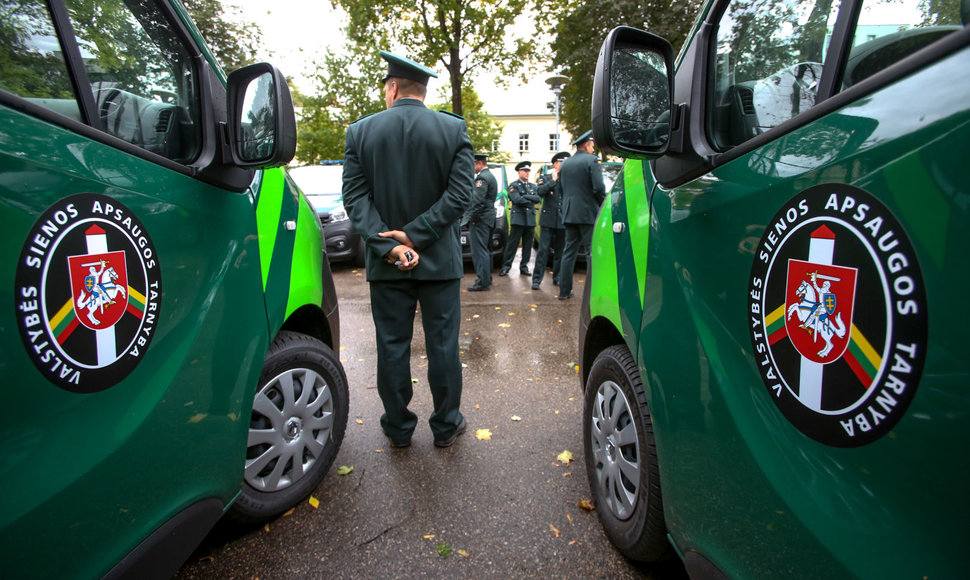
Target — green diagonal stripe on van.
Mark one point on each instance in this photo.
(269, 205)
(277, 283)
(638, 218)
(306, 263)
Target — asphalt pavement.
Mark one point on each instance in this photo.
(503, 502)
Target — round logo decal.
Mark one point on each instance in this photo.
(88, 292)
(838, 315)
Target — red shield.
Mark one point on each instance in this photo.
(99, 288)
(819, 299)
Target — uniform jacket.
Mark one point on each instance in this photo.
(409, 168)
(523, 196)
(550, 190)
(583, 190)
(482, 206)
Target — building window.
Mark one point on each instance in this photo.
(553, 142)
(523, 142)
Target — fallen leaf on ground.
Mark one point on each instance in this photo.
(266, 528)
(565, 457)
(586, 504)
(344, 470)
(289, 512)
(359, 422)
(511, 314)
(554, 530)
(414, 381)
(504, 325)
(483, 434)
(567, 474)
(314, 502)
(462, 553)
(516, 418)
(443, 549)
(378, 451)
(428, 536)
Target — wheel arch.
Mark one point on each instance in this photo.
(600, 335)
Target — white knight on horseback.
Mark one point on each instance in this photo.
(99, 290)
(816, 311)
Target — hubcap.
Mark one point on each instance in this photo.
(616, 450)
(289, 429)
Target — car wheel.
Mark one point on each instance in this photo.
(621, 458)
(296, 427)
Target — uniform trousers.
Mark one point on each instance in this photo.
(479, 234)
(525, 234)
(553, 238)
(576, 235)
(393, 306)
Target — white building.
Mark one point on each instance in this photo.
(529, 123)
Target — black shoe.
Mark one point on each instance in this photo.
(535, 285)
(555, 281)
(449, 441)
(525, 272)
(478, 288)
(504, 272)
(567, 297)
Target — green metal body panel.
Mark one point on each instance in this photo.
(741, 484)
(88, 476)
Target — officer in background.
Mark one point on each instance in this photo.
(583, 191)
(551, 232)
(523, 196)
(480, 218)
(407, 180)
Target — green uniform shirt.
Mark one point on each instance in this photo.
(409, 168)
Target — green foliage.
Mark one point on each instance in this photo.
(443, 549)
(483, 130)
(940, 12)
(233, 41)
(27, 70)
(580, 29)
(347, 88)
(465, 36)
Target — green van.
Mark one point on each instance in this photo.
(169, 322)
(773, 341)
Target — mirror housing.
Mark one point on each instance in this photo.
(633, 94)
(261, 120)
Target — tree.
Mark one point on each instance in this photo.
(483, 131)
(581, 29)
(347, 88)
(464, 36)
(233, 43)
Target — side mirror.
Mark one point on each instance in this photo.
(633, 94)
(262, 124)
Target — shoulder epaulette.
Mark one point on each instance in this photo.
(452, 114)
(362, 117)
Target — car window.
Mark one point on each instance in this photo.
(890, 30)
(767, 66)
(141, 75)
(33, 63)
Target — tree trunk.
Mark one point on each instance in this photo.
(454, 73)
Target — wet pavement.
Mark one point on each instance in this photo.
(502, 502)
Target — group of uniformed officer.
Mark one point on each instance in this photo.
(406, 183)
(564, 217)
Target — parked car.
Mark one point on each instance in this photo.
(168, 329)
(772, 339)
(500, 233)
(322, 185)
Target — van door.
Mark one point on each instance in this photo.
(138, 325)
(809, 348)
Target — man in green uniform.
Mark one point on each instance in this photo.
(407, 180)
(583, 191)
(551, 232)
(480, 217)
(522, 220)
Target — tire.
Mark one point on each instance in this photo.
(297, 425)
(621, 458)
